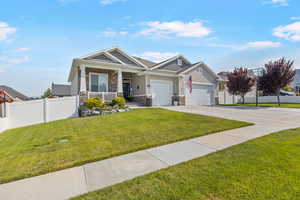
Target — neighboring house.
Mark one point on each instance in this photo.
(296, 83)
(113, 72)
(14, 94)
(60, 90)
(224, 96)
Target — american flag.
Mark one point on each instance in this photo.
(190, 84)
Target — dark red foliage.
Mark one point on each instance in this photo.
(240, 82)
(276, 76)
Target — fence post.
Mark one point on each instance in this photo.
(45, 110)
(77, 105)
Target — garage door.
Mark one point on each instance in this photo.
(201, 95)
(161, 92)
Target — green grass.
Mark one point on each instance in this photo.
(267, 168)
(43, 148)
(283, 105)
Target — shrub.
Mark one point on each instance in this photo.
(130, 98)
(120, 101)
(94, 103)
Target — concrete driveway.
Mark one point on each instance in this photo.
(266, 119)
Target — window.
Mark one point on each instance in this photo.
(99, 82)
(179, 62)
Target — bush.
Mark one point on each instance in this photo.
(130, 98)
(119, 101)
(94, 103)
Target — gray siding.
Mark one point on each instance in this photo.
(122, 58)
(102, 58)
(173, 66)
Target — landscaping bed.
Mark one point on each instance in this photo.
(264, 168)
(43, 148)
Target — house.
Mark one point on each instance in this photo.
(296, 83)
(224, 96)
(13, 94)
(60, 90)
(112, 72)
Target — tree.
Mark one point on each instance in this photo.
(240, 82)
(47, 93)
(276, 75)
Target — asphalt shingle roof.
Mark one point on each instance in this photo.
(14, 93)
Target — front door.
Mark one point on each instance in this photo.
(126, 88)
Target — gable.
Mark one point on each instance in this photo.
(103, 58)
(173, 66)
(124, 59)
(200, 74)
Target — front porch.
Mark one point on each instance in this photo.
(108, 84)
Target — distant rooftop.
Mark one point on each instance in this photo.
(14, 93)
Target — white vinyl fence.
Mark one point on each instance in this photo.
(273, 99)
(226, 98)
(18, 114)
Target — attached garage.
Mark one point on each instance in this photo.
(200, 95)
(162, 91)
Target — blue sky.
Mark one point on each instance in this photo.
(38, 39)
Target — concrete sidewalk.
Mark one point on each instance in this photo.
(79, 180)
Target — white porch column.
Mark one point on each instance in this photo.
(120, 83)
(181, 86)
(82, 79)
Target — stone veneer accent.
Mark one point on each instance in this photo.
(144, 100)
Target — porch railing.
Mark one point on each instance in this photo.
(105, 96)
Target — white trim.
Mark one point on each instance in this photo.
(127, 56)
(171, 60)
(157, 74)
(203, 83)
(191, 68)
(200, 64)
(90, 80)
(140, 95)
(113, 57)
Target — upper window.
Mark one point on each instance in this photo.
(99, 82)
(179, 62)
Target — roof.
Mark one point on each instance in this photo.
(13, 93)
(223, 76)
(146, 62)
(61, 90)
(116, 58)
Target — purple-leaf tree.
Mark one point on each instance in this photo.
(275, 76)
(240, 82)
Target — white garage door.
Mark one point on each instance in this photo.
(161, 92)
(201, 95)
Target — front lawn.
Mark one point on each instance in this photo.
(266, 168)
(283, 105)
(38, 149)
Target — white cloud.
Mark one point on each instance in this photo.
(158, 56)
(176, 28)
(295, 18)
(261, 45)
(6, 30)
(288, 32)
(10, 60)
(278, 2)
(107, 2)
(111, 33)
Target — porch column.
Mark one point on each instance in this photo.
(181, 91)
(181, 86)
(120, 83)
(82, 80)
